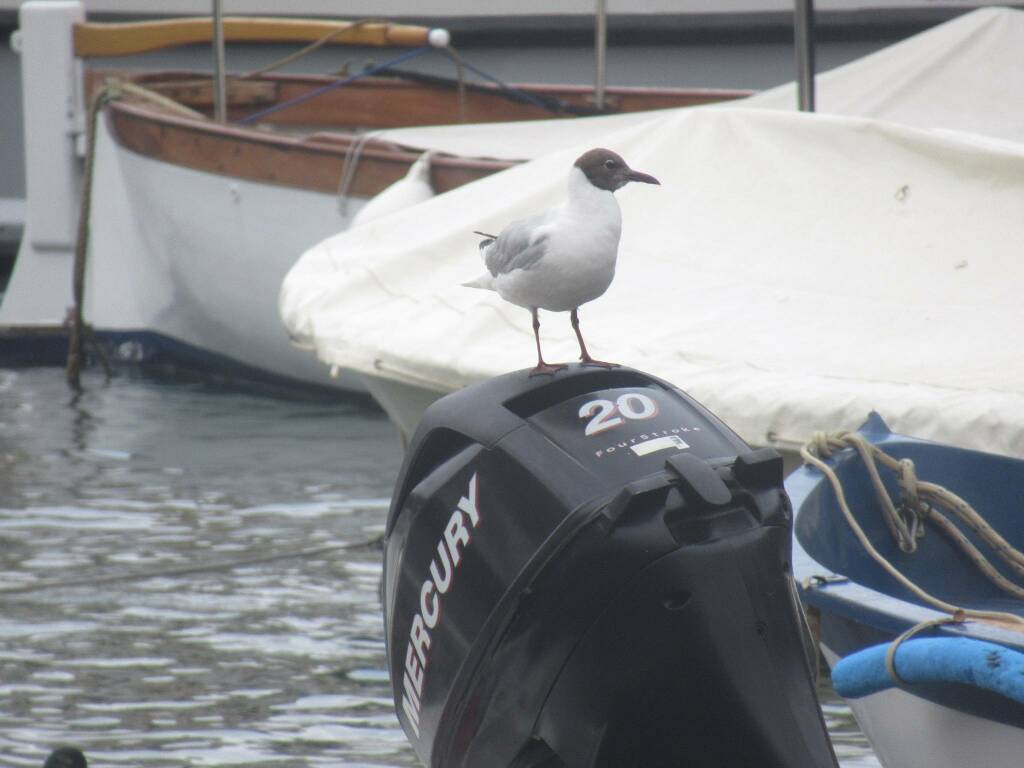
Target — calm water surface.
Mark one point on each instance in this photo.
(276, 663)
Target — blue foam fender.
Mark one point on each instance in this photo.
(933, 660)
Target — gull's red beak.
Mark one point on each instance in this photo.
(645, 178)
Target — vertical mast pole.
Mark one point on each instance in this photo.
(803, 29)
(600, 47)
(219, 85)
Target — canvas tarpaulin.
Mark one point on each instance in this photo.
(793, 272)
(964, 75)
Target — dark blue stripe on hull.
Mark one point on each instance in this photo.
(159, 357)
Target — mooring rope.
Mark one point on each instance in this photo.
(76, 315)
(923, 501)
(460, 77)
(519, 93)
(120, 87)
(277, 64)
(78, 330)
(890, 654)
(350, 164)
(928, 499)
(308, 49)
(336, 84)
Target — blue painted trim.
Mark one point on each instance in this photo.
(933, 660)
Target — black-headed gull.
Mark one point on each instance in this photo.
(564, 257)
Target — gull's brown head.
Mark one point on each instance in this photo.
(607, 170)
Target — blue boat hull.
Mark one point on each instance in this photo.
(939, 720)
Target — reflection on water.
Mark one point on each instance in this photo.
(850, 744)
(280, 662)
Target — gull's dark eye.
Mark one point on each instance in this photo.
(609, 164)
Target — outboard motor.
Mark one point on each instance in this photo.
(591, 570)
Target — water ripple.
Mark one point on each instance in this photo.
(279, 663)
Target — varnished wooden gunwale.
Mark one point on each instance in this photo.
(315, 161)
(314, 164)
(93, 39)
(396, 103)
(392, 103)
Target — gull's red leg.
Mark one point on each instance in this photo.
(585, 357)
(542, 367)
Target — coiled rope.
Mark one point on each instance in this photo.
(922, 503)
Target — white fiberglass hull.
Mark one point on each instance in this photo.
(186, 255)
(907, 731)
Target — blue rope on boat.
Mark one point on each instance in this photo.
(504, 86)
(337, 84)
(933, 660)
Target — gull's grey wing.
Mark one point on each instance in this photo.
(519, 246)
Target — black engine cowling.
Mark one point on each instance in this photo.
(592, 570)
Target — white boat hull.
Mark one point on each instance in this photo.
(403, 403)
(907, 731)
(187, 255)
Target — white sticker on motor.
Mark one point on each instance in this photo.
(659, 444)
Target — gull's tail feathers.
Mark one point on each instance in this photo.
(485, 281)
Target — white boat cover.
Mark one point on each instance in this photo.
(793, 272)
(964, 75)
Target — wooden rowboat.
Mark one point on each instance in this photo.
(305, 146)
(193, 222)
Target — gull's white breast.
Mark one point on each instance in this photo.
(579, 260)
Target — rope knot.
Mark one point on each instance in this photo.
(911, 509)
(920, 502)
(823, 444)
(906, 478)
(113, 88)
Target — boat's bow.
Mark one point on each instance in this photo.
(948, 692)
